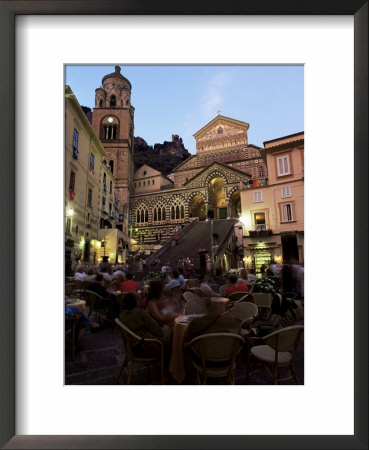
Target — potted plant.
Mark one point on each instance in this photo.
(263, 290)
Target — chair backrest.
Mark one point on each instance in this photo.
(244, 310)
(188, 295)
(246, 298)
(69, 288)
(217, 347)
(130, 339)
(201, 293)
(235, 296)
(285, 339)
(196, 306)
(93, 298)
(262, 300)
(222, 288)
(192, 283)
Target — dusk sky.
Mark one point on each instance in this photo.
(182, 99)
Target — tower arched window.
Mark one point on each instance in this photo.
(101, 103)
(111, 165)
(113, 101)
(110, 132)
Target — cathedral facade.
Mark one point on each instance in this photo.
(210, 180)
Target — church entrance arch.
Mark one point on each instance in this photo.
(235, 204)
(217, 197)
(197, 207)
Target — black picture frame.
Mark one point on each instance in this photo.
(8, 11)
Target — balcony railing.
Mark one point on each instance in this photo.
(260, 230)
(256, 182)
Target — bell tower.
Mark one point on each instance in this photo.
(113, 123)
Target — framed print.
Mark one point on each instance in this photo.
(32, 381)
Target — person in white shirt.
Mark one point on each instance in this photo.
(206, 288)
(105, 274)
(118, 273)
(80, 274)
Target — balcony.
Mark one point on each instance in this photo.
(260, 230)
(255, 182)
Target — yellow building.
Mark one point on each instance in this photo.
(273, 214)
(83, 174)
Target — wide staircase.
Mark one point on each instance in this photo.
(191, 239)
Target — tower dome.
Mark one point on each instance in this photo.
(115, 91)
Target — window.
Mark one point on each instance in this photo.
(142, 214)
(177, 209)
(77, 230)
(92, 162)
(110, 132)
(103, 201)
(153, 181)
(110, 206)
(89, 197)
(286, 191)
(261, 171)
(258, 196)
(259, 219)
(111, 165)
(72, 180)
(100, 103)
(111, 187)
(159, 212)
(283, 165)
(113, 101)
(287, 212)
(75, 144)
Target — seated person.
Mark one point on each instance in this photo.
(234, 286)
(160, 308)
(128, 285)
(108, 298)
(80, 273)
(215, 321)
(118, 273)
(173, 281)
(181, 279)
(104, 272)
(140, 322)
(218, 278)
(90, 275)
(206, 288)
(98, 286)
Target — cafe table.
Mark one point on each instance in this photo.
(77, 302)
(177, 365)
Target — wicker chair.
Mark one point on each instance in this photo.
(218, 349)
(245, 312)
(69, 289)
(192, 284)
(196, 306)
(97, 304)
(279, 351)
(130, 342)
(188, 295)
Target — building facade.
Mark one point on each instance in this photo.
(273, 215)
(83, 174)
(209, 180)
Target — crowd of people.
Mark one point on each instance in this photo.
(150, 310)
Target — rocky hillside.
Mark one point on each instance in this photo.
(163, 157)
